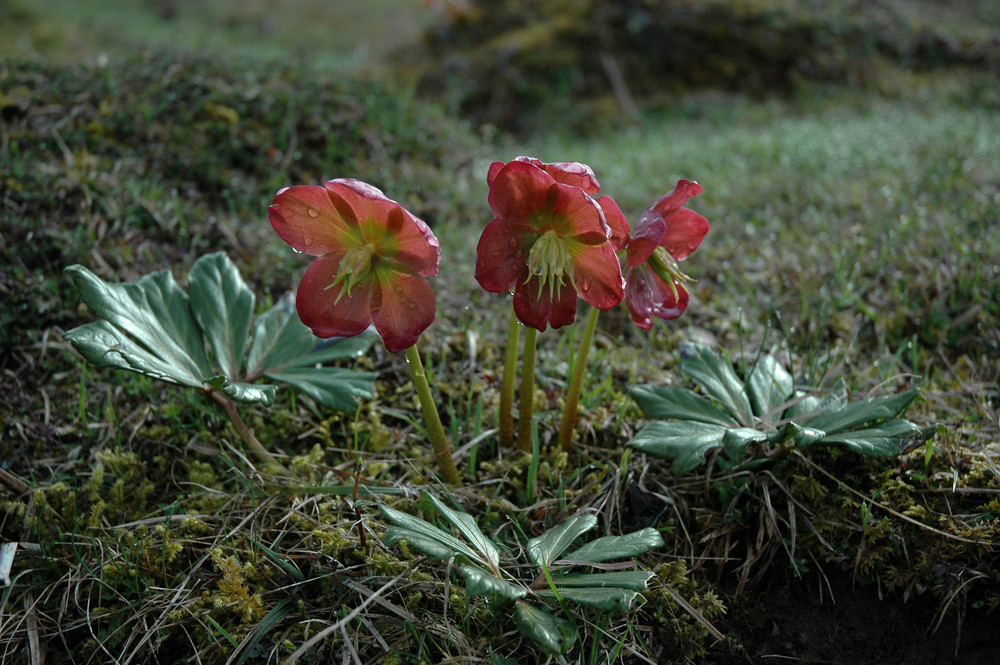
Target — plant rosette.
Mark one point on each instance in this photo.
(558, 576)
(763, 411)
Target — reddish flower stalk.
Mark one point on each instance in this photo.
(665, 234)
(373, 258)
(549, 242)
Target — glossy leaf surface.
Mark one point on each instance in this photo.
(223, 306)
(556, 635)
(544, 549)
(617, 547)
(148, 327)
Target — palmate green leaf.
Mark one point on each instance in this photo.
(153, 327)
(433, 541)
(467, 526)
(333, 387)
(792, 433)
(718, 379)
(684, 442)
(148, 328)
(617, 547)
(223, 306)
(554, 634)
(479, 582)
(861, 413)
(636, 580)
(284, 349)
(610, 599)
(884, 440)
(546, 548)
(736, 441)
(768, 386)
(425, 537)
(666, 402)
(244, 392)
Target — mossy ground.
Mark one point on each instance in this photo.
(854, 231)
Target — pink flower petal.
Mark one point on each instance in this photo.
(616, 222)
(575, 174)
(598, 276)
(417, 246)
(315, 302)
(683, 191)
(568, 173)
(403, 237)
(646, 237)
(536, 308)
(684, 233)
(576, 215)
(519, 191)
(402, 307)
(502, 255)
(647, 296)
(306, 218)
(491, 175)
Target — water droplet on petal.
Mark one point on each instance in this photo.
(297, 251)
(312, 212)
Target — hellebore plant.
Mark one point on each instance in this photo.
(763, 416)
(551, 241)
(373, 258)
(665, 234)
(155, 328)
(486, 569)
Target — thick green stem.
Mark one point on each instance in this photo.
(526, 398)
(435, 430)
(506, 424)
(568, 421)
(241, 427)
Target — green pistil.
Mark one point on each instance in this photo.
(550, 260)
(666, 268)
(354, 268)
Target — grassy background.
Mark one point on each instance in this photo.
(327, 35)
(854, 231)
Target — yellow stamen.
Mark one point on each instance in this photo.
(666, 268)
(355, 267)
(550, 260)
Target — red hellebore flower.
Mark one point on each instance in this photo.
(582, 176)
(664, 235)
(373, 258)
(549, 242)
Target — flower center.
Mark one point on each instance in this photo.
(550, 260)
(354, 268)
(666, 268)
